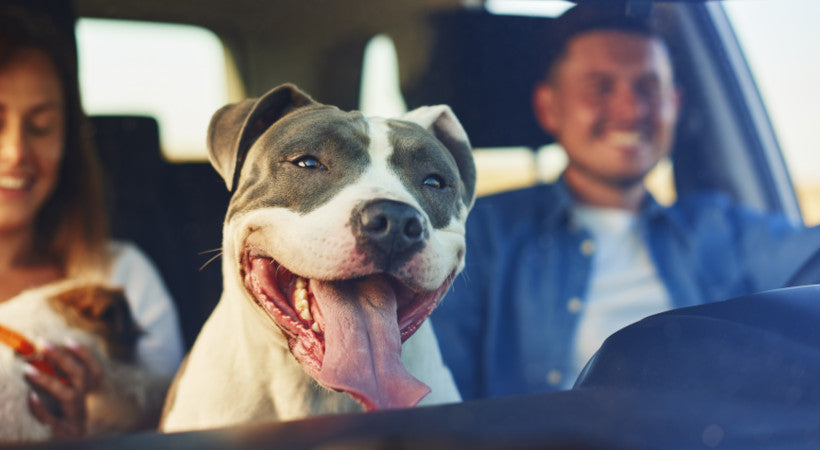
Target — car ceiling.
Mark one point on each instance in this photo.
(310, 36)
(257, 17)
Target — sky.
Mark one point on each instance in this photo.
(781, 40)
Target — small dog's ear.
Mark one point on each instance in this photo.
(443, 124)
(101, 310)
(235, 127)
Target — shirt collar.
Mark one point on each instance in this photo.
(559, 202)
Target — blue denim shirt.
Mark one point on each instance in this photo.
(508, 323)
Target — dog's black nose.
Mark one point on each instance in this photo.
(390, 227)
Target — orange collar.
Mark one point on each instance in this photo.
(27, 350)
(17, 342)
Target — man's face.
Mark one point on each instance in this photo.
(612, 104)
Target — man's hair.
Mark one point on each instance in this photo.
(613, 15)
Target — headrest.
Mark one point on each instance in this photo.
(127, 143)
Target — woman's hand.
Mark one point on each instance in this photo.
(67, 416)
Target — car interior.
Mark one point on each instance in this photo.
(448, 51)
(467, 57)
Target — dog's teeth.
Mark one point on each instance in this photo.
(300, 295)
(301, 283)
(300, 301)
(300, 298)
(301, 305)
(315, 327)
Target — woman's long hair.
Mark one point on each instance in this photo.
(71, 229)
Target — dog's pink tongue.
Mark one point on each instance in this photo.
(363, 344)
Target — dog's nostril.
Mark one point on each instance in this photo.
(376, 223)
(390, 226)
(413, 228)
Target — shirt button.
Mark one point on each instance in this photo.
(554, 377)
(587, 247)
(574, 305)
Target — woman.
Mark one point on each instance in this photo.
(52, 220)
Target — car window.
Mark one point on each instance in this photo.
(127, 67)
(506, 168)
(786, 70)
(175, 73)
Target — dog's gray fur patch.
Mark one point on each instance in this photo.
(337, 139)
(418, 155)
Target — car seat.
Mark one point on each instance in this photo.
(171, 211)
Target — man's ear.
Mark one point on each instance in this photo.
(234, 128)
(544, 107)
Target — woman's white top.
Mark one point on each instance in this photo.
(160, 347)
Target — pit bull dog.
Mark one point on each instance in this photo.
(342, 234)
(95, 316)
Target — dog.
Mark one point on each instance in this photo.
(341, 236)
(93, 315)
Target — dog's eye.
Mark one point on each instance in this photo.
(434, 181)
(308, 162)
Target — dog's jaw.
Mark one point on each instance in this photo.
(347, 334)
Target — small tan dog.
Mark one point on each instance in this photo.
(92, 315)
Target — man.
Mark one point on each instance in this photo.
(553, 270)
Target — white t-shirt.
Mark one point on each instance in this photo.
(160, 347)
(624, 284)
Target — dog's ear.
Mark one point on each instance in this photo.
(443, 124)
(101, 310)
(235, 127)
